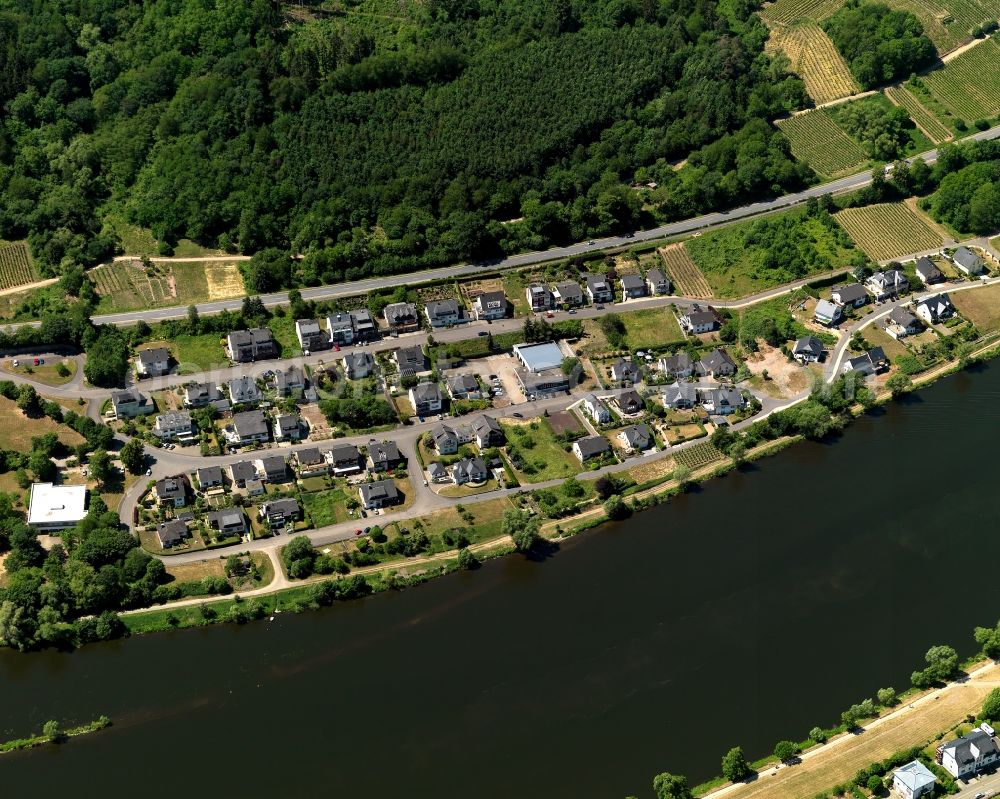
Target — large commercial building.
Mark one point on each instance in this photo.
(53, 507)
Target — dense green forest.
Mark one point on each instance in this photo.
(379, 136)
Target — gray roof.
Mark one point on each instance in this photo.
(359, 362)
(209, 474)
(242, 471)
(632, 282)
(827, 309)
(488, 298)
(410, 358)
(592, 445)
(463, 384)
(273, 463)
(716, 360)
(442, 432)
(448, 307)
(470, 468)
(383, 451)
(255, 335)
(290, 377)
(250, 423)
(342, 453)
(681, 362)
(655, 275)
(630, 399)
(808, 344)
(128, 395)
(680, 391)
(890, 279)
(903, 317)
(915, 776)
(309, 456)
(400, 313)
(286, 507)
(638, 436)
(850, 292)
(928, 269)
(436, 469)
(965, 257)
(624, 369)
(597, 283)
(171, 532)
(962, 746)
(154, 355)
(486, 425)
(287, 422)
(227, 517)
(380, 489)
(170, 487)
(569, 290)
(721, 397)
(426, 392)
(244, 389)
(340, 321)
(202, 391)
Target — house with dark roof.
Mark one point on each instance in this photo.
(379, 494)
(241, 473)
(470, 470)
(464, 386)
(201, 395)
(343, 459)
(445, 439)
(312, 337)
(131, 402)
(636, 437)
(172, 533)
(633, 286)
(384, 456)
(254, 344)
(568, 293)
(675, 366)
(968, 262)
(716, 364)
(679, 396)
(152, 362)
(174, 425)
(539, 297)
(934, 308)
(288, 427)
(358, 365)
(599, 289)
(410, 360)
(289, 381)
(590, 447)
(365, 326)
(487, 432)
(280, 512)
(970, 754)
(209, 477)
(425, 398)
(658, 282)
(808, 349)
(227, 522)
(442, 313)
(902, 323)
(851, 295)
(869, 363)
(311, 462)
(249, 427)
(698, 320)
(887, 284)
(490, 305)
(626, 372)
(244, 391)
(596, 409)
(401, 317)
(437, 472)
(927, 271)
(272, 468)
(340, 329)
(630, 402)
(722, 401)
(171, 492)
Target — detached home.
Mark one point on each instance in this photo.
(808, 349)
(401, 317)
(358, 365)
(851, 295)
(568, 293)
(425, 398)
(172, 533)
(200, 395)
(251, 345)
(968, 262)
(599, 289)
(596, 409)
(590, 447)
(626, 372)
(679, 365)
(209, 477)
(902, 323)
(171, 492)
(463, 387)
(969, 754)
(340, 329)
(539, 298)
(868, 364)
(241, 473)
(410, 360)
(716, 364)
(722, 401)
(365, 326)
(312, 337)
(913, 781)
(288, 427)
(699, 320)
(658, 282)
(130, 403)
(249, 427)
(890, 283)
(827, 313)
(153, 362)
(174, 424)
(934, 308)
(280, 512)
(490, 305)
(272, 468)
(244, 391)
(679, 396)
(633, 286)
(927, 271)
(383, 456)
(630, 403)
(470, 470)
(636, 438)
(487, 432)
(289, 381)
(228, 521)
(311, 463)
(379, 494)
(445, 439)
(344, 459)
(442, 313)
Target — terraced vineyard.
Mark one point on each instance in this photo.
(697, 456)
(684, 272)
(15, 265)
(969, 85)
(919, 113)
(816, 139)
(889, 230)
(131, 286)
(785, 12)
(949, 23)
(814, 59)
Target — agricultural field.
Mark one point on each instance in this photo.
(16, 268)
(924, 118)
(889, 230)
(948, 23)
(787, 12)
(697, 456)
(968, 86)
(981, 306)
(814, 59)
(131, 286)
(818, 140)
(684, 272)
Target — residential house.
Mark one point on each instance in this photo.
(626, 372)
(200, 395)
(379, 494)
(255, 488)
(384, 456)
(887, 284)
(410, 360)
(539, 297)
(280, 512)
(599, 289)
(827, 313)
(344, 459)
(470, 470)
(172, 533)
(289, 381)
(130, 403)
(927, 271)
(228, 522)
(968, 262)
(630, 403)
(272, 468)
(174, 424)
(699, 320)
(716, 364)
(442, 313)
(463, 386)
(365, 326)
(153, 362)
(636, 437)
(490, 305)
(241, 473)
(970, 754)
(658, 282)
(551, 381)
(675, 366)
(590, 447)
(437, 472)
(401, 317)
(244, 391)
(52, 507)
(722, 401)
(209, 477)
(902, 323)
(251, 345)
(358, 365)
(868, 364)
(171, 492)
(312, 463)
(568, 294)
(934, 308)
(808, 349)
(850, 295)
(487, 432)
(288, 427)
(633, 286)
(596, 409)
(445, 439)
(913, 781)
(249, 427)
(312, 337)
(340, 329)
(425, 398)
(679, 396)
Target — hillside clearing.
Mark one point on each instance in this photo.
(814, 59)
(684, 272)
(969, 85)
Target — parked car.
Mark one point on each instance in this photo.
(16, 363)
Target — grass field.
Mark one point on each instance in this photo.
(654, 328)
(787, 12)
(969, 85)
(129, 286)
(981, 306)
(325, 507)
(814, 59)
(888, 230)
(926, 120)
(684, 272)
(876, 336)
(197, 353)
(17, 430)
(816, 139)
(16, 266)
(48, 374)
(283, 328)
(536, 443)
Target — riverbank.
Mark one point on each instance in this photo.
(54, 735)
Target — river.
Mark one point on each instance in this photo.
(759, 605)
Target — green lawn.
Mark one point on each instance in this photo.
(48, 374)
(467, 490)
(543, 457)
(283, 328)
(326, 507)
(655, 328)
(197, 353)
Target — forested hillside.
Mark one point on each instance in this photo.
(383, 135)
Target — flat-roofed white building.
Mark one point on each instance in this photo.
(539, 357)
(53, 507)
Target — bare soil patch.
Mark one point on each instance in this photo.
(224, 280)
(564, 422)
(787, 377)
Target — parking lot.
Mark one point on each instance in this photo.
(984, 786)
(503, 367)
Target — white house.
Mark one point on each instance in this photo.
(935, 308)
(152, 362)
(968, 262)
(868, 364)
(174, 424)
(902, 323)
(590, 447)
(927, 271)
(827, 312)
(969, 754)
(490, 305)
(851, 295)
(538, 296)
(596, 409)
(698, 320)
(425, 398)
(890, 283)
(599, 289)
(808, 349)
(913, 780)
